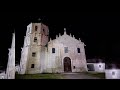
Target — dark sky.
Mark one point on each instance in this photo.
(98, 30)
(6, 30)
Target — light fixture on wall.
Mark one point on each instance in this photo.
(100, 65)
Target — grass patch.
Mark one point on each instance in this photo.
(39, 76)
(99, 75)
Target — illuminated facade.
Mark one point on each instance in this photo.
(41, 55)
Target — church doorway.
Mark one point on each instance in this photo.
(67, 64)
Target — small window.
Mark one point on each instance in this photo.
(78, 49)
(53, 50)
(74, 67)
(43, 30)
(66, 49)
(33, 54)
(36, 27)
(32, 66)
(113, 73)
(99, 66)
(35, 39)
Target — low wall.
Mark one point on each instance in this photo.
(112, 73)
(97, 67)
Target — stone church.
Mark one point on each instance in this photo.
(41, 55)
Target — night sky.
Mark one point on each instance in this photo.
(6, 29)
(99, 31)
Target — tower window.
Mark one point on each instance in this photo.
(36, 27)
(43, 30)
(35, 39)
(66, 49)
(78, 49)
(53, 50)
(32, 66)
(33, 54)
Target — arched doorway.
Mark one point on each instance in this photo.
(67, 64)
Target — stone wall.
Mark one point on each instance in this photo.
(98, 67)
(112, 73)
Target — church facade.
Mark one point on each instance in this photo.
(41, 55)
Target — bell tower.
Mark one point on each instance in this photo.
(33, 51)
